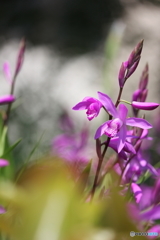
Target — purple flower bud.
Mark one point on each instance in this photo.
(121, 75)
(7, 99)
(145, 105)
(135, 54)
(20, 57)
(136, 95)
(133, 68)
(144, 78)
(144, 95)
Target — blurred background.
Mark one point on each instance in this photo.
(74, 49)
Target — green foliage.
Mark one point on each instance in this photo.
(47, 204)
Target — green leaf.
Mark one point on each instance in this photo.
(11, 148)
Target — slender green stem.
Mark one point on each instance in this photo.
(10, 104)
(121, 100)
(119, 97)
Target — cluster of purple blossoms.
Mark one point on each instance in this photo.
(126, 135)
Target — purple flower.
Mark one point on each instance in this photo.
(137, 166)
(128, 148)
(6, 99)
(145, 105)
(117, 126)
(3, 162)
(2, 209)
(137, 191)
(7, 72)
(92, 105)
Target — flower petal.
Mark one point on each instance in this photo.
(108, 104)
(122, 138)
(128, 147)
(145, 105)
(137, 191)
(122, 111)
(100, 131)
(138, 122)
(7, 99)
(81, 105)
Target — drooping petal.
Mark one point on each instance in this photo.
(101, 130)
(93, 110)
(81, 105)
(113, 144)
(122, 112)
(122, 138)
(7, 99)
(145, 105)
(137, 191)
(128, 147)
(108, 104)
(152, 214)
(138, 122)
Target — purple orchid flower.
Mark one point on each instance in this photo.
(92, 105)
(137, 166)
(128, 148)
(117, 126)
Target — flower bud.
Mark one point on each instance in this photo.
(144, 78)
(7, 99)
(121, 76)
(145, 105)
(20, 57)
(133, 68)
(135, 54)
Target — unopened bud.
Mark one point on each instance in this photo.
(20, 57)
(145, 105)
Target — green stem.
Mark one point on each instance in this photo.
(121, 100)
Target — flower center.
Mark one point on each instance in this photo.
(113, 127)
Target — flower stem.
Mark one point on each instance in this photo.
(100, 161)
(121, 100)
(10, 104)
(119, 96)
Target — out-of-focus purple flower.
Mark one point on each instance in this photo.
(3, 162)
(145, 105)
(7, 99)
(70, 148)
(128, 148)
(137, 191)
(7, 72)
(92, 105)
(2, 210)
(117, 126)
(136, 167)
